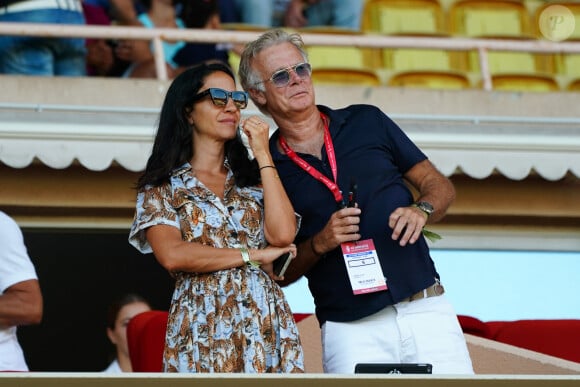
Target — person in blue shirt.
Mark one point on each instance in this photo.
(377, 293)
(294, 13)
(42, 55)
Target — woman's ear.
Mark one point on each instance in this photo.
(189, 116)
(111, 336)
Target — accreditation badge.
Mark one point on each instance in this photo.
(363, 267)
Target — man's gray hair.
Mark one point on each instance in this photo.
(249, 78)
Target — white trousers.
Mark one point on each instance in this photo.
(420, 331)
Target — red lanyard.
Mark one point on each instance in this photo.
(331, 185)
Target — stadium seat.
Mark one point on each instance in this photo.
(350, 57)
(489, 18)
(146, 340)
(430, 80)
(342, 76)
(567, 65)
(413, 59)
(505, 62)
(574, 85)
(403, 17)
(495, 19)
(524, 82)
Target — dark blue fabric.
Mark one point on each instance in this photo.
(193, 53)
(374, 151)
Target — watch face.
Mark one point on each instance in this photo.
(425, 206)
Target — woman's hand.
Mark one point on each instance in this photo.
(267, 256)
(258, 133)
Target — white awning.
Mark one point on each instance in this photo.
(477, 146)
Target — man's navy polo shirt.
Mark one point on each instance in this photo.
(372, 151)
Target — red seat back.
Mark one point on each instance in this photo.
(474, 326)
(558, 338)
(146, 340)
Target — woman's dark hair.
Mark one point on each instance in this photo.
(118, 304)
(173, 145)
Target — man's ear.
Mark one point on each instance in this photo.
(257, 96)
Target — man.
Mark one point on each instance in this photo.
(20, 296)
(377, 293)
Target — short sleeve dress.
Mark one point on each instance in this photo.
(233, 320)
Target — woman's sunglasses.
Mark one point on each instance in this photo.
(219, 97)
(282, 77)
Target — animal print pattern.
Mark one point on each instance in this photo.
(233, 320)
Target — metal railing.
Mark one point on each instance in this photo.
(158, 35)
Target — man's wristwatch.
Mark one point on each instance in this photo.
(426, 207)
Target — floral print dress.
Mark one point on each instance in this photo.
(233, 320)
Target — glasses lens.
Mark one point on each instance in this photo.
(240, 99)
(281, 78)
(303, 70)
(219, 97)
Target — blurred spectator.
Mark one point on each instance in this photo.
(160, 14)
(300, 13)
(122, 12)
(101, 57)
(120, 312)
(20, 295)
(42, 55)
(202, 14)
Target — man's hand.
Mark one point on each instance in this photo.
(343, 226)
(407, 224)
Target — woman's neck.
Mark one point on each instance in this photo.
(208, 158)
(124, 362)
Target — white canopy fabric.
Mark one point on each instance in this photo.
(477, 146)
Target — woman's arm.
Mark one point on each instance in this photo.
(280, 220)
(175, 254)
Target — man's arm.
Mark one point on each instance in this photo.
(21, 304)
(408, 222)
(433, 187)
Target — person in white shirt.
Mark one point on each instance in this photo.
(20, 295)
(120, 312)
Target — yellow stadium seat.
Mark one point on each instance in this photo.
(574, 85)
(342, 76)
(340, 56)
(489, 18)
(411, 59)
(403, 17)
(568, 65)
(524, 83)
(429, 80)
(505, 62)
(336, 56)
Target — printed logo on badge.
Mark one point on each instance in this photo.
(363, 267)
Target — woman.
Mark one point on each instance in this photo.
(216, 220)
(118, 316)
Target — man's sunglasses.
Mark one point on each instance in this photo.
(219, 97)
(282, 77)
